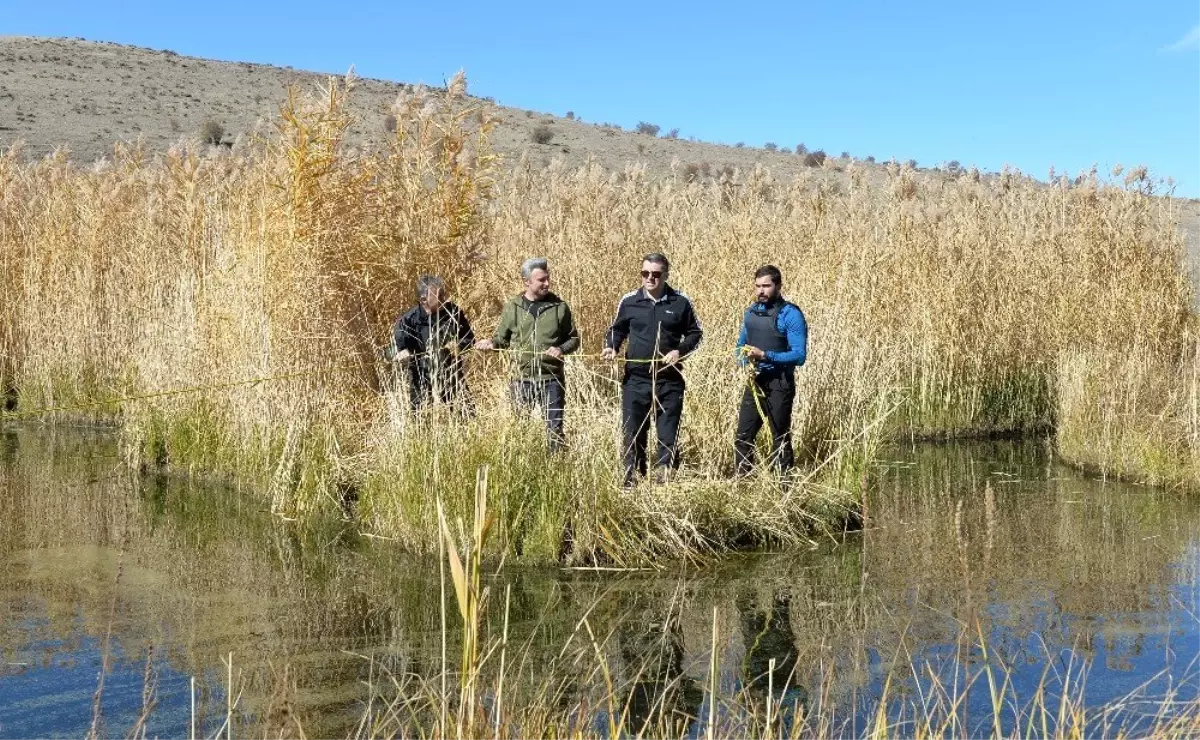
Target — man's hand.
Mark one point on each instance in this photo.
(485, 344)
(671, 357)
(403, 355)
(555, 352)
(608, 353)
(754, 353)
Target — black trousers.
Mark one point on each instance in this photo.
(549, 393)
(642, 400)
(449, 387)
(775, 394)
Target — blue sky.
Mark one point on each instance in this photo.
(1030, 84)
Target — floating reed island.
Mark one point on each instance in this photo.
(225, 309)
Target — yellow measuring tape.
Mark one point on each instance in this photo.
(747, 370)
(118, 400)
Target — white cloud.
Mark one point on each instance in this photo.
(1189, 41)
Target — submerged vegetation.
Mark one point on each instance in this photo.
(268, 278)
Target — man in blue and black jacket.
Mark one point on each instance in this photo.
(661, 328)
(774, 338)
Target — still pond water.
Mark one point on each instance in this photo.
(1054, 570)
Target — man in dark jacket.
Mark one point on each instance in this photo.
(774, 340)
(538, 327)
(431, 338)
(661, 327)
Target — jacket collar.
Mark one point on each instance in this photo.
(668, 292)
(522, 301)
(551, 298)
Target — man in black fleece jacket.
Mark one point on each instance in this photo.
(432, 337)
(661, 327)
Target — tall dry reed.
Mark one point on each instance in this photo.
(1132, 415)
(936, 308)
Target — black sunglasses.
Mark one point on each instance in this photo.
(656, 274)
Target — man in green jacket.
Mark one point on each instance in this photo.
(537, 326)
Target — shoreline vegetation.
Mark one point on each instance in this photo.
(938, 308)
(1132, 416)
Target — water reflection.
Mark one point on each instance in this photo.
(651, 647)
(961, 541)
(769, 667)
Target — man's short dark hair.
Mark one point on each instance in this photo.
(770, 271)
(658, 258)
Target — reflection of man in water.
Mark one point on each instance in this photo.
(9, 446)
(660, 696)
(768, 634)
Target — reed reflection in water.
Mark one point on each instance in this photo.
(961, 541)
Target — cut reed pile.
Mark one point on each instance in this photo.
(936, 308)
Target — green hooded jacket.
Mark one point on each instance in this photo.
(531, 328)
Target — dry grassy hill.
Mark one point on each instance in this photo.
(86, 95)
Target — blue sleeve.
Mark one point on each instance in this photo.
(741, 342)
(792, 323)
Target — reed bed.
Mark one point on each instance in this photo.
(267, 279)
(1132, 416)
(583, 695)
